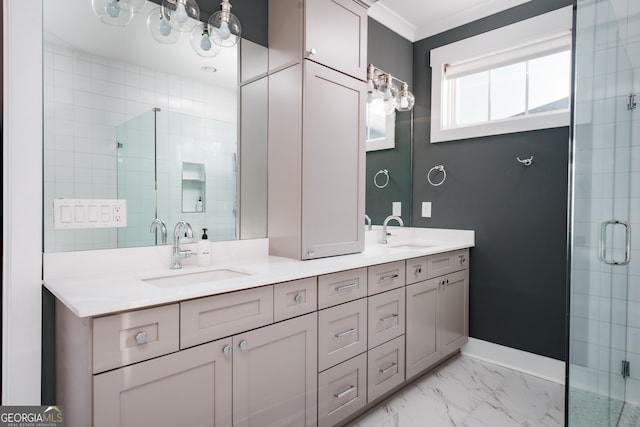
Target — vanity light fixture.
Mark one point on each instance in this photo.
(167, 22)
(158, 25)
(380, 84)
(224, 26)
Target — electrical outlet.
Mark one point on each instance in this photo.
(396, 208)
(89, 213)
(426, 209)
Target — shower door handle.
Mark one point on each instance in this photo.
(603, 243)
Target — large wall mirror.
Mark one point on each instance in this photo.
(126, 117)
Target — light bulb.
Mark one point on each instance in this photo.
(165, 28)
(224, 30)
(405, 100)
(113, 8)
(205, 42)
(181, 13)
(387, 93)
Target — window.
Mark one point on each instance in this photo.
(513, 79)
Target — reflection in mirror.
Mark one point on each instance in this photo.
(380, 126)
(122, 114)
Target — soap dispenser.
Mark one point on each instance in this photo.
(204, 249)
(199, 205)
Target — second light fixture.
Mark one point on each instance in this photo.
(381, 84)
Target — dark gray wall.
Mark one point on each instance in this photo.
(393, 54)
(518, 267)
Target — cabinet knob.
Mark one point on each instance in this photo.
(226, 350)
(310, 253)
(298, 298)
(463, 259)
(418, 270)
(141, 337)
(244, 345)
(312, 51)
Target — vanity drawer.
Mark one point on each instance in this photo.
(386, 316)
(342, 333)
(291, 299)
(342, 390)
(126, 338)
(207, 319)
(386, 368)
(416, 270)
(387, 276)
(448, 262)
(341, 287)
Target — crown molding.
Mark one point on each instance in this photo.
(393, 21)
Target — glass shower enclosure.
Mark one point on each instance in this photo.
(603, 387)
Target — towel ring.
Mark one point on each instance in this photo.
(438, 168)
(381, 172)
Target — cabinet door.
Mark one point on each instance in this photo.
(336, 35)
(333, 159)
(187, 388)
(454, 305)
(275, 375)
(422, 331)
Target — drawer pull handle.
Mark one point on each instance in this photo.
(389, 317)
(344, 393)
(226, 350)
(345, 333)
(298, 298)
(141, 337)
(418, 270)
(389, 277)
(244, 345)
(384, 371)
(346, 287)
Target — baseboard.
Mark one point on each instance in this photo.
(528, 363)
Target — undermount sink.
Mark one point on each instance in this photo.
(194, 278)
(412, 246)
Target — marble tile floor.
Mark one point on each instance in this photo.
(468, 392)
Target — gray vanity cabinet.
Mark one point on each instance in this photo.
(437, 322)
(186, 388)
(316, 162)
(330, 32)
(274, 375)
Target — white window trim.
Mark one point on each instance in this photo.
(524, 33)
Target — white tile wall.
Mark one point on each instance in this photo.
(605, 308)
(86, 99)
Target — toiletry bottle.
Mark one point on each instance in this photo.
(204, 249)
(199, 204)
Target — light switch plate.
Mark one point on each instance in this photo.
(426, 209)
(74, 214)
(396, 208)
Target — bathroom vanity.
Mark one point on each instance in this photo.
(258, 337)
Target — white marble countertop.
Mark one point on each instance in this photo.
(95, 283)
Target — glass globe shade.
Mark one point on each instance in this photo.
(112, 12)
(225, 28)
(159, 27)
(201, 41)
(182, 15)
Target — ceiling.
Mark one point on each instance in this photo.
(419, 19)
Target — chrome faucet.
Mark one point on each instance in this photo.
(177, 254)
(384, 227)
(163, 229)
(367, 220)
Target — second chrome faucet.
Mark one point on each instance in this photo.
(177, 254)
(388, 219)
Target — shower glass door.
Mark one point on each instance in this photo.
(600, 223)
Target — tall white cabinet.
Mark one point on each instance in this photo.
(317, 63)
